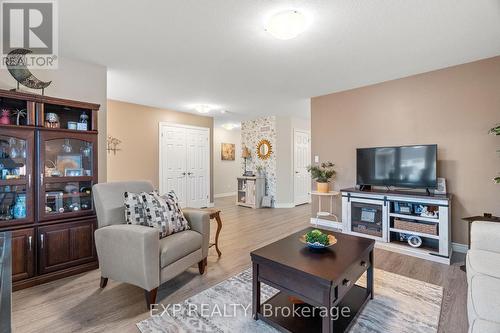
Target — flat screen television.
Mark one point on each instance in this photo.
(404, 166)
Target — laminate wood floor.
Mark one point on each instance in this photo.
(77, 304)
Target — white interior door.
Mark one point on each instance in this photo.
(197, 167)
(185, 164)
(302, 158)
(173, 161)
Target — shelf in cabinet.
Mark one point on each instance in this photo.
(405, 246)
(73, 195)
(67, 130)
(13, 126)
(68, 179)
(13, 182)
(421, 234)
(32, 127)
(415, 217)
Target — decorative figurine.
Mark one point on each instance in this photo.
(52, 120)
(83, 123)
(5, 118)
(15, 65)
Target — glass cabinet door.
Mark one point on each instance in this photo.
(16, 194)
(67, 174)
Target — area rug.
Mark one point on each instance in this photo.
(400, 305)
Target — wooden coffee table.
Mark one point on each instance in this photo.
(324, 281)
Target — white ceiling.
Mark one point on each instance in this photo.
(173, 54)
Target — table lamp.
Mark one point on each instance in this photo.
(245, 154)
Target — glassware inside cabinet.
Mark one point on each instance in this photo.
(12, 158)
(68, 197)
(68, 158)
(12, 202)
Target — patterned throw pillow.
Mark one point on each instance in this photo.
(164, 213)
(135, 213)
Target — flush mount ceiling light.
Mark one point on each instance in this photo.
(230, 126)
(203, 108)
(286, 25)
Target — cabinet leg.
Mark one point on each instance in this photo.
(104, 282)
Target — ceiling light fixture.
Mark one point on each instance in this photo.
(230, 126)
(286, 25)
(203, 108)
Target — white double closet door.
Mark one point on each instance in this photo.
(185, 163)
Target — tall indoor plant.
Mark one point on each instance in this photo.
(322, 174)
(496, 131)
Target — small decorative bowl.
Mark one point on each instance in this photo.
(317, 246)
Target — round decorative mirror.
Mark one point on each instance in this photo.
(264, 149)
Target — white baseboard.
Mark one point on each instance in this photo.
(284, 205)
(210, 205)
(222, 195)
(326, 223)
(461, 248)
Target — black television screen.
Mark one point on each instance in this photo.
(405, 166)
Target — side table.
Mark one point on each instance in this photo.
(330, 195)
(215, 215)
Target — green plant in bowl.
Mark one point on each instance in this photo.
(316, 236)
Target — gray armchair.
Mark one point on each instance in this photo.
(134, 254)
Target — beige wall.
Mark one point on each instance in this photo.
(78, 81)
(225, 172)
(137, 127)
(452, 107)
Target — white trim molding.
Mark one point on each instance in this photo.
(210, 205)
(460, 248)
(284, 205)
(227, 194)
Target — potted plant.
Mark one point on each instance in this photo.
(322, 174)
(496, 131)
(260, 170)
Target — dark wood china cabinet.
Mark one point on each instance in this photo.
(48, 164)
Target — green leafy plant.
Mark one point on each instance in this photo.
(316, 236)
(322, 173)
(496, 131)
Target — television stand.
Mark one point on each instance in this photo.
(393, 218)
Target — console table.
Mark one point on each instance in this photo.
(5, 282)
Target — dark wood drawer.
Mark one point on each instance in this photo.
(352, 275)
(293, 282)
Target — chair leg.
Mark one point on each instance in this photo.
(104, 282)
(150, 297)
(202, 265)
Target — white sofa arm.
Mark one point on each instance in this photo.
(129, 253)
(485, 236)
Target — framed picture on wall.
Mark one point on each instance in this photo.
(227, 151)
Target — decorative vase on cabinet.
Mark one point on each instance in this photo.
(19, 210)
